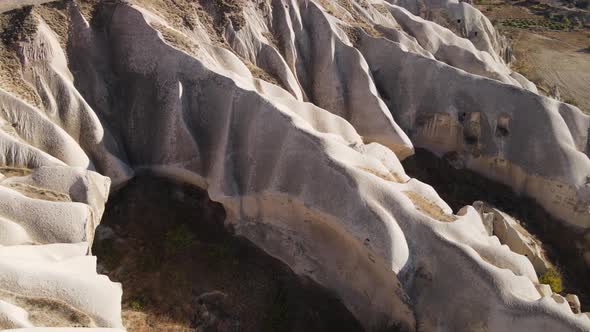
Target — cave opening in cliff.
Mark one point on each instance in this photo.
(460, 187)
(182, 269)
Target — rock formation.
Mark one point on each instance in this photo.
(294, 115)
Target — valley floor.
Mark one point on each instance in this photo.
(550, 50)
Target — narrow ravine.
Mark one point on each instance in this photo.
(460, 187)
(182, 270)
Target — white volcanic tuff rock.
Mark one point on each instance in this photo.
(63, 274)
(511, 233)
(295, 179)
(46, 221)
(13, 316)
(261, 158)
(45, 68)
(51, 205)
(466, 21)
(55, 273)
(332, 74)
(454, 50)
(44, 201)
(489, 124)
(78, 184)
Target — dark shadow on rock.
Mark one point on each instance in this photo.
(460, 187)
(181, 268)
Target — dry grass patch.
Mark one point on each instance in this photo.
(87, 8)
(48, 312)
(391, 176)
(16, 26)
(344, 10)
(175, 38)
(381, 9)
(261, 73)
(178, 13)
(429, 208)
(232, 10)
(55, 16)
(9, 171)
(272, 39)
(39, 193)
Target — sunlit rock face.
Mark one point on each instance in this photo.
(294, 115)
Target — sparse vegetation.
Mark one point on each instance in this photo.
(571, 101)
(551, 24)
(139, 302)
(552, 278)
(261, 73)
(53, 14)
(261, 293)
(429, 208)
(87, 8)
(460, 187)
(232, 11)
(178, 238)
(16, 26)
(175, 38)
(345, 11)
(391, 176)
(271, 39)
(39, 193)
(47, 312)
(9, 171)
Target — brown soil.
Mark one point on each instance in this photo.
(171, 248)
(559, 59)
(16, 26)
(549, 50)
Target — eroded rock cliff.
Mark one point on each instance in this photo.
(294, 116)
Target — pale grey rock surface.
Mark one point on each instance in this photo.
(309, 171)
(517, 238)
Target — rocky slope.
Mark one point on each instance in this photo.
(294, 116)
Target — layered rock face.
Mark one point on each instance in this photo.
(294, 115)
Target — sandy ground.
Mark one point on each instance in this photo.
(556, 59)
(549, 58)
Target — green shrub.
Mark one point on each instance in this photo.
(566, 21)
(135, 305)
(139, 302)
(180, 237)
(552, 278)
